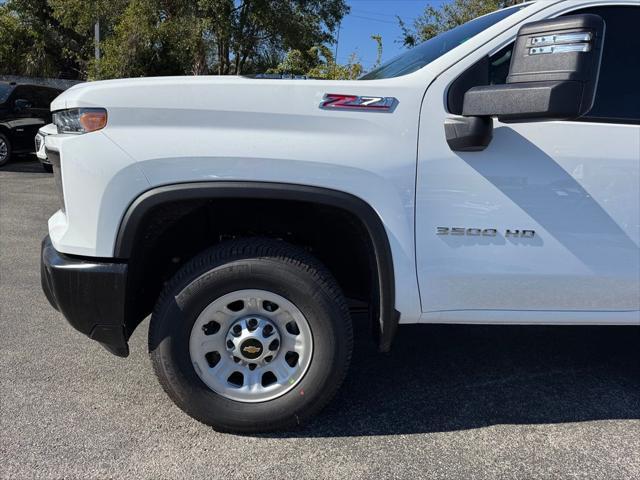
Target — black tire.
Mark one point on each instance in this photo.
(251, 264)
(7, 158)
(47, 167)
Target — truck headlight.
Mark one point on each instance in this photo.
(80, 120)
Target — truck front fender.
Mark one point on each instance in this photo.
(385, 312)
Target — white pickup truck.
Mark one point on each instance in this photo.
(489, 175)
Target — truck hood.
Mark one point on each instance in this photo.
(165, 91)
(217, 93)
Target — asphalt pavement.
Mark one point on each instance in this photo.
(454, 402)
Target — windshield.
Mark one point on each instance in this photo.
(427, 52)
(5, 90)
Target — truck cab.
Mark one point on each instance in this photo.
(490, 175)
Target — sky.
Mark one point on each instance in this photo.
(370, 17)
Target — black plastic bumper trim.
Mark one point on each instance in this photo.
(90, 294)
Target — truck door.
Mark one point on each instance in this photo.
(30, 113)
(543, 225)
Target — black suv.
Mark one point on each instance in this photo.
(23, 110)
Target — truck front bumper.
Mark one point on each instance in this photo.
(89, 293)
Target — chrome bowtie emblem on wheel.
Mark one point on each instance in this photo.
(337, 101)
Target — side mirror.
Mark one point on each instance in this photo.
(553, 76)
(21, 104)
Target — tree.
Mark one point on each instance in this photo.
(80, 17)
(436, 20)
(161, 37)
(379, 51)
(34, 43)
(327, 68)
(319, 62)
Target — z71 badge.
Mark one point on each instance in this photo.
(485, 232)
(337, 101)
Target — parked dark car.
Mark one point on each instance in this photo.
(24, 109)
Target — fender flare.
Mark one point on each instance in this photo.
(387, 316)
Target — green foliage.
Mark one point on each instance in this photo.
(55, 38)
(319, 62)
(136, 47)
(79, 17)
(438, 19)
(327, 68)
(156, 37)
(34, 43)
(160, 37)
(379, 51)
(294, 63)
(13, 41)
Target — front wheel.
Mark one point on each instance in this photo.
(252, 335)
(5, 150)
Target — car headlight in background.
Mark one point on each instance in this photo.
(80, 120)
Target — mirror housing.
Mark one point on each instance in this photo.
(470, 134)
(553, 74)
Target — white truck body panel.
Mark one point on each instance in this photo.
(191, 129)
(576, 184)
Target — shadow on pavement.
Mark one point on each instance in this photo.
(445, 378)
(26, 164)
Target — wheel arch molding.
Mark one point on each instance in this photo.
(385, 317)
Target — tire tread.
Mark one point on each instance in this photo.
(252, 248)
